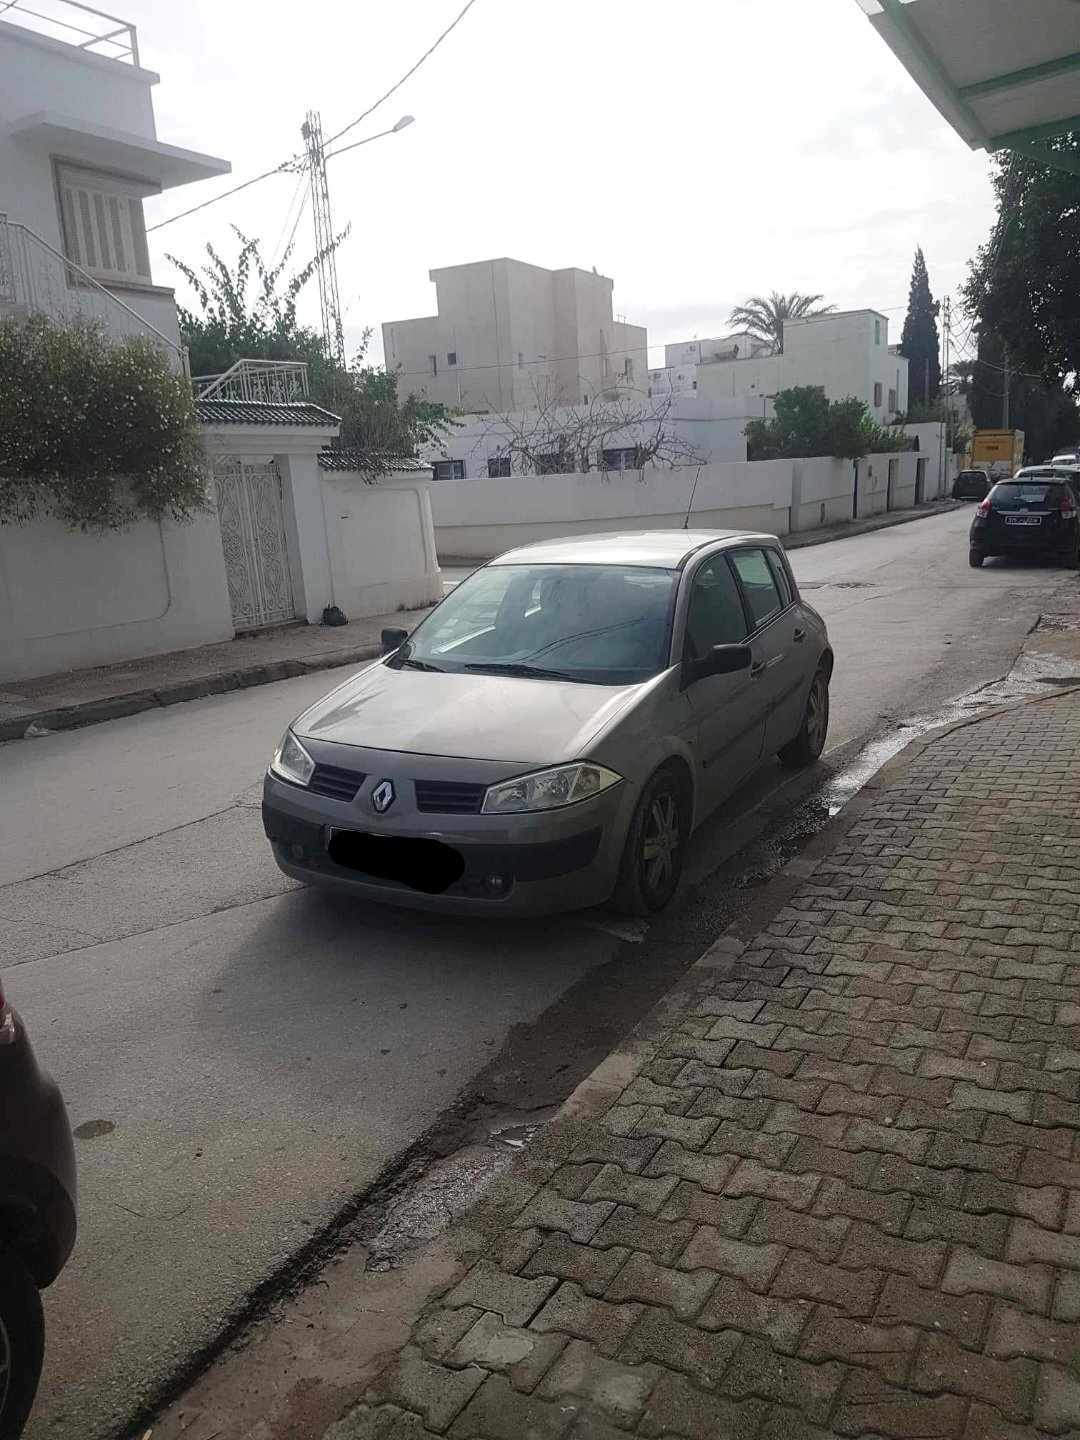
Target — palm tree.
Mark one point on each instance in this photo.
(765, 317)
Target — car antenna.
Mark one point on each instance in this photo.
(690, 505)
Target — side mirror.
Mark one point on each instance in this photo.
(392, 640)
(721, 660)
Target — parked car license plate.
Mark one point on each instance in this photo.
(425, 865)
(1023, 519)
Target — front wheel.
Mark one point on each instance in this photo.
(653, 858)
(22, 1344)
(810, 741)
(975, 558)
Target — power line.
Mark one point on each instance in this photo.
(277, 170)
(297, 196)
(293, 160)
(408, 73)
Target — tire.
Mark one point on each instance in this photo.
(810, 741)
(647, 881)
(22, 1344)
(975, 559)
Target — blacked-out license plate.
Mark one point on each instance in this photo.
(426, 865)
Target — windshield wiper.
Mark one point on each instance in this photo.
(533, 672)
(420, 665)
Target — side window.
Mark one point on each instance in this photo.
(715, 615)
(780, 575)
(758, 584)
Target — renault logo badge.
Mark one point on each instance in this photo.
(382, 797)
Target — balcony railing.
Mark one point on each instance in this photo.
(36, 279)
(76, 24)
(276, 382)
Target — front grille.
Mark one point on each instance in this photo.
(449, 797)
(335, 783)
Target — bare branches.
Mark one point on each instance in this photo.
(621, 433)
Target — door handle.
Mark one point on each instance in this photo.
(757, 669)
(798, 635)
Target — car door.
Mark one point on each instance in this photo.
(729, 718)
(783, 663)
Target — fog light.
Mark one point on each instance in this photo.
(496, 884)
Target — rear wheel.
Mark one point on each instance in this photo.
(22, 1344)
(975, 558)
(810, 741)
(653, 858)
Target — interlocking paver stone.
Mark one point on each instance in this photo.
(839, 1192)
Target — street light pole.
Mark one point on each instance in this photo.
(326, 260)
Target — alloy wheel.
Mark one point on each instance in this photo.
(817, 714)
(660, 842)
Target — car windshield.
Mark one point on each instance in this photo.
(600, 624)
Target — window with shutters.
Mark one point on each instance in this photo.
(103, 225)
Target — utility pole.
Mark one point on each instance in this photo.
(1007, 377)
(329, 298)
(943, 443)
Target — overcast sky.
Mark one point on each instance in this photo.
(696, 152)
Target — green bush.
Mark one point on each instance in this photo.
(96, 432)
(806, 424)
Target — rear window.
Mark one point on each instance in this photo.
(1027, 492)
(972, 475)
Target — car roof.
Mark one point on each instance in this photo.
(1044, 472)
(662, 549)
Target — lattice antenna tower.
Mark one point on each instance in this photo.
(329, 298)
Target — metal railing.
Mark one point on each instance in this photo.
(37, 279)
(275, 382)
(76, 24)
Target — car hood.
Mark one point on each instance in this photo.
(471, 717)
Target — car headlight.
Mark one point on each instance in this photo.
(549, 789)
(291, 761)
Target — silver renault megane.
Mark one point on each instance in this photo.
(549, 736)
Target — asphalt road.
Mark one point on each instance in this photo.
(246, 1056)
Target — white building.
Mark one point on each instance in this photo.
(846, 353)
(505, 331)
(703, 431)
(78, 155)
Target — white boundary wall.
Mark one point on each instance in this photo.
(475, 519)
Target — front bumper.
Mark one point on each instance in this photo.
(528, 864)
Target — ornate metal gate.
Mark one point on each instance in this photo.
(252, 519)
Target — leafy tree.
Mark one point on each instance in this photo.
(806, 423)
(1024, 284)
(247, 310)
(96, 432)
(919, 342)
(764, 315)
(1047, 414)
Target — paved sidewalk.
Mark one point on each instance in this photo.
(73, 698)
(832, 1187)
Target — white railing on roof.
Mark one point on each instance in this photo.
(76, 24)
(36, 279)
(275, 382)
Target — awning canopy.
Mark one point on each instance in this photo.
(1004, 73)
(162, 166)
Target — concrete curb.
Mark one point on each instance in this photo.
(115, 707)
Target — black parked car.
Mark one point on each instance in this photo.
(1034, 513)
(971, 485)
(37, 1214)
